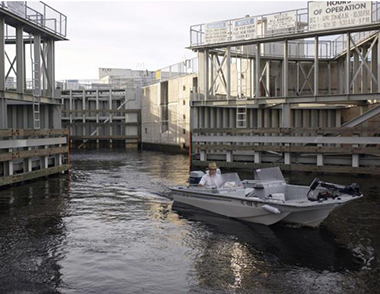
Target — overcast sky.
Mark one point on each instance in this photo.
(140, 34)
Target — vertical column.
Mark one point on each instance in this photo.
(252, 71)
(228, 72)
(355, 89)
(84, 116)
(3, 101)
(206, 73)
(212, 74)
(328, 77)
(285, 70)
(285, 118)
(111, 114)
(355, 157)
(57, 117)
(8, 166)
(3, 113)
(71, 115)
(257, 71)
(201, 73)
(378, 62)
(97, 116)
(297, 77)
(364, 72)
(51, 67)
(348, 56)
(28, 163)
(374, 62)
(316, 65)
(268, 79)
(257, 154)
(20, 59)
(2, 58)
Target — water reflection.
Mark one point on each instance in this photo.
(31, 233)
(110, 230)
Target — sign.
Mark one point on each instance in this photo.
(17, 7)
(337, 14)
(216, 32)
(72, 85)
(282, 21)
(244, 28)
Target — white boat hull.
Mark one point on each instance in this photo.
(252, 210)
(230, 207)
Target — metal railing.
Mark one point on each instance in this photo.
(301, 49)
(39, 14)
(189, 66)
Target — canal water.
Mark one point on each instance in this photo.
(109, 227)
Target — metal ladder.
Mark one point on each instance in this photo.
(36, 89)
(241, 100)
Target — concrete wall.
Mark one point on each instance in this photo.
(154, 131)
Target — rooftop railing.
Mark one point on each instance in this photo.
(263, 27)
(189, 66)
(39, 14)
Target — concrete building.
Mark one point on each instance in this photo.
(165, 112)
(32, 142)
(121, 78)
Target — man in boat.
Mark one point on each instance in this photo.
(212, 179)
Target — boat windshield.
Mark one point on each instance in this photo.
(269, 174)
(230, 181)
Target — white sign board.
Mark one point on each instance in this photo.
(17, 7)
(216, 32)
(281, 21)
(244, 28)
(337, 14)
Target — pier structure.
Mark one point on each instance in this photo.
(297, 89)
(32, 141)
(102, 118)
(165, 108)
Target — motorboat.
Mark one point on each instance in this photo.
(267, 199)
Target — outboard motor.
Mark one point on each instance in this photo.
(352, 189)
(332, 190)
(195, 177)
(314, 184)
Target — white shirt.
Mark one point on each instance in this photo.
(211, 181)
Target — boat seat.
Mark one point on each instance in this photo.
(272, 188)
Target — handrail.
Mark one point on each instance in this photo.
(42, 13)
(197, 32)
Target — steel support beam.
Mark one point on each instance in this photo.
(206, 73)
(378, 62)
(228, 73)
(285, 70)
(257, 71)
(51, 67)
(348, 57)
(20, 59)
(362, 118)
(316, 65)
(2, 54)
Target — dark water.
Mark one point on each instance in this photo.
(107, 228)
